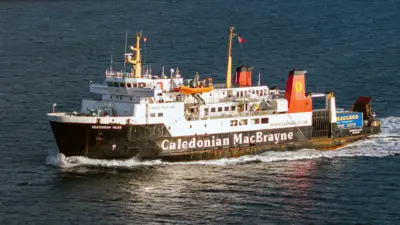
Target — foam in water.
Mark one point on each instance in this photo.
(386, 143)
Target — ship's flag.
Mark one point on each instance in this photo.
(145, 39)
(241, 40)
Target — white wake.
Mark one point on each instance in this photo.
(386, 143)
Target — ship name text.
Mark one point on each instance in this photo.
(237, 139)
(105, 127)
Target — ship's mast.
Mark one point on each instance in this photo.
(111, 60)
(229, 65)
(138, 66)
(137, 62)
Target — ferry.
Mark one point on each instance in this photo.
(146, 116)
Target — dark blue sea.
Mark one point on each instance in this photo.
(51, 50)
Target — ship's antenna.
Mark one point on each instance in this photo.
(162, 74)
(150, 67)
(259, 79)
(126, 42)
(112, 56)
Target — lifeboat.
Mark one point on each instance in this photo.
(203, 87)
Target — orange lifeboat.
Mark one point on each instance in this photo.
(199, 89)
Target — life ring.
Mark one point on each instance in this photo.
(209, 82)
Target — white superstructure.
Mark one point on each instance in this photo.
(143, 99)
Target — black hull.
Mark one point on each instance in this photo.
(155, 142)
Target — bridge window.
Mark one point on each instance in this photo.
(206, 110)
(160, 114)
(129, 85)
(233, 108)
(110, 84)
(116, 84)
(219, 109)
(122, 84)
(152, 115)
(226, 108)
(233, 123)
(135, 85)
(264, 120)
(212, 109)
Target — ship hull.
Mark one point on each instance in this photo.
(149, 142)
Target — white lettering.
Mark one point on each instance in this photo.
(184, 145)
(237, 139)
(164, 145)
(207, 143)
(265, 137)
(270, 137)
(259, 137)
(179, 143)
(246, 139)
(276, 138)
(252, 139)
(192, 143)
(226, 141)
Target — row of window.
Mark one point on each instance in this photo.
(156, 114)
(257, 92)
(220, 109)
(243, 122)
(244, 93)
(119, 97)
(128, 85)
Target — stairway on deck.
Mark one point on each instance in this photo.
(199, 99)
